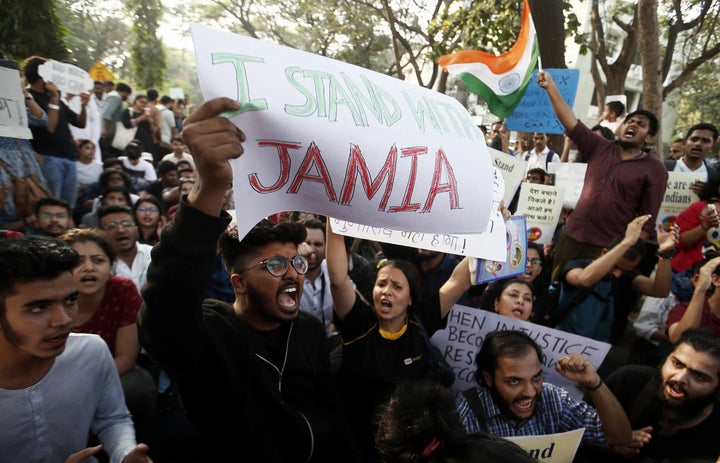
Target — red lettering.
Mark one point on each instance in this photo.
(358, 167)
(282, 149)
(406, 205)
(436, 187)
(313, 158)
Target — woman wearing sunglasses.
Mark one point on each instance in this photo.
(383, 341)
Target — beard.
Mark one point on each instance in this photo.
(687, 409)
(628, 145)
(504, 408)
(425, 256)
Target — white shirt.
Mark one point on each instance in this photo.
(87, 174)
(51, 419)
(138, 272)
(534, 159)
(680, 166)
(185, 157)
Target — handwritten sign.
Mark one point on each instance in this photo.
(535, 113)
(551, 448)
(339, 140)
(571, 177)
(512, 169)
(488, 245)
(68, 78)
(515, 256)
(541, 205)
(13, 115)
(466, 330)
(678, 196)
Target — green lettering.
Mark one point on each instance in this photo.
(310, 104)
(243, 90)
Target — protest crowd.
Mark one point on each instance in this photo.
(137, 325)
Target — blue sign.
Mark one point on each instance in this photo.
(535, 113)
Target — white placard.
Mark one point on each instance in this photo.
(13, 114)
(68, 78)
(551, 448)
(541, 205)
(571, 177)
(342, 141)
(466, 330)
(512, 169)
(488, 245)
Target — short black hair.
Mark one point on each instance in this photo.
(165, 99)
(166, 166)
(635, 252)
(503, 344)
(152, 94)
(51, 201)
(114, 208)
(412, 274)
(605, 131)
(30, 68)
(537, 170)
(313, 223)
(32, 258)
(233, 250)
(616, 106)
(123, 87)
(702, 340)
(703, 126)
(654, 125)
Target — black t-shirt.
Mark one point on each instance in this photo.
(59, 143)
(697, 444)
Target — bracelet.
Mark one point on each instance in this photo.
(53, 106)
(593, 388)
(669, 254)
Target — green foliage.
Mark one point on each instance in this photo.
(96, 33)
(146, 52)
(31, 28)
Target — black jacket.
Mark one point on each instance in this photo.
(244, 409)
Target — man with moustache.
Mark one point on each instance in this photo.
(253, 374)
(697, 144)
(53, 217)
(56, 387)
(510, 398)
(675, 409)
(623, 181)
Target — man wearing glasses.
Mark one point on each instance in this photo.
(53, 217)
(133, 258)
(253, 374)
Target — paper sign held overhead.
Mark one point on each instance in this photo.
(68, 78)
(338, 140)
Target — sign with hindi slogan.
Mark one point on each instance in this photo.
(13, 115)
(535, 113)
(342, 141)
(490, 245)
(541, 205)
(466, 330)
(551, 448)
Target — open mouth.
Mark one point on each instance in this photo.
(88, 279)
(675, 390)
(524, 407)
(287, 298)
(518, 313)
(630, 132)
(59, 339)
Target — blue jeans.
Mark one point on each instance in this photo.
(61, 176)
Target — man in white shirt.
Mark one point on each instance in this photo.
(133, 258)
(541, 156)
(168, 129)
(56, 387)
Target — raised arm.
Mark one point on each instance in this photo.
(455, 286)
(693, 314)
(562, 110)
(341, 287)
(614, 421)
(600, 267)
(659, 284)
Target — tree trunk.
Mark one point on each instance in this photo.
(549, 22)
(650, 57)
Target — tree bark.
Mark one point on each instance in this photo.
(650, 57)
(549, 20)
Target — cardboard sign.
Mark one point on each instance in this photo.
(541, 205)
(535, 113)
(67, 78)
(335, 139)
(13, 113)
(678, 196)
(512, 169)
(551, 448)
(466, 330)
(571, 177)
(99, 72)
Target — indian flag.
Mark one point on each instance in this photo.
(500, 80)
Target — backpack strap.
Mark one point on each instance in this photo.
(476, 405)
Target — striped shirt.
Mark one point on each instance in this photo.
(556, 411)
